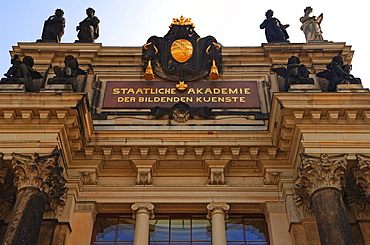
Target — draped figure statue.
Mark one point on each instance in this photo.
(54, 27)
(89, 27)
(311, 26)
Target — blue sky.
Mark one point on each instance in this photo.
(231, 22)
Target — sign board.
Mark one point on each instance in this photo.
(213, 94)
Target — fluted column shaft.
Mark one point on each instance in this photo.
(27, 214)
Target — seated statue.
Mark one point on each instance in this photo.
(89, 27)
(311, 26)
(71, 68)
(22, 72)
(54, 27)
(68, 74)
(274, 30)
(337, 73)
(295, 73)
(22, 69)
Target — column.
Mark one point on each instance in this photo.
(320, 179)
(39, 182)
(218, 212)
(142, 213)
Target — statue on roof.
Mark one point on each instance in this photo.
(338, 73)
(294, 73)
(311, 26)
(53, 27)
(274, 30)
(89, 27)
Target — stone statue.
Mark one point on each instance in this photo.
(337, 73)
(22, 69)
(294, 73)
(71, 68)
(89, 27)
(54, 27)
(311, 26)
(67, 75)
(274, 30)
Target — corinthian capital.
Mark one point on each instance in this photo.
(320, 172)
(362, 173)
(43, 173)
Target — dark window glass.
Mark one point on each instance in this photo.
(114, 230)
(242, 230)
(180, 230)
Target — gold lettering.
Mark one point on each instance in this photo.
(191, 91)
(227, 99)
(233, 91)
(141, 99)
(216, 91)
(208, 91)
(224, 90)
(120, 99)
(131, 91)
(247, 91)
(242, 99)
(199, 91)
(173, 90)
(198, 99)
(116, 91)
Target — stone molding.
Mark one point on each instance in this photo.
(143, 207)
(217, 208)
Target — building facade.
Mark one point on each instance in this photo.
(117, 157)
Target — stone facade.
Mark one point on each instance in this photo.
(277, 160)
